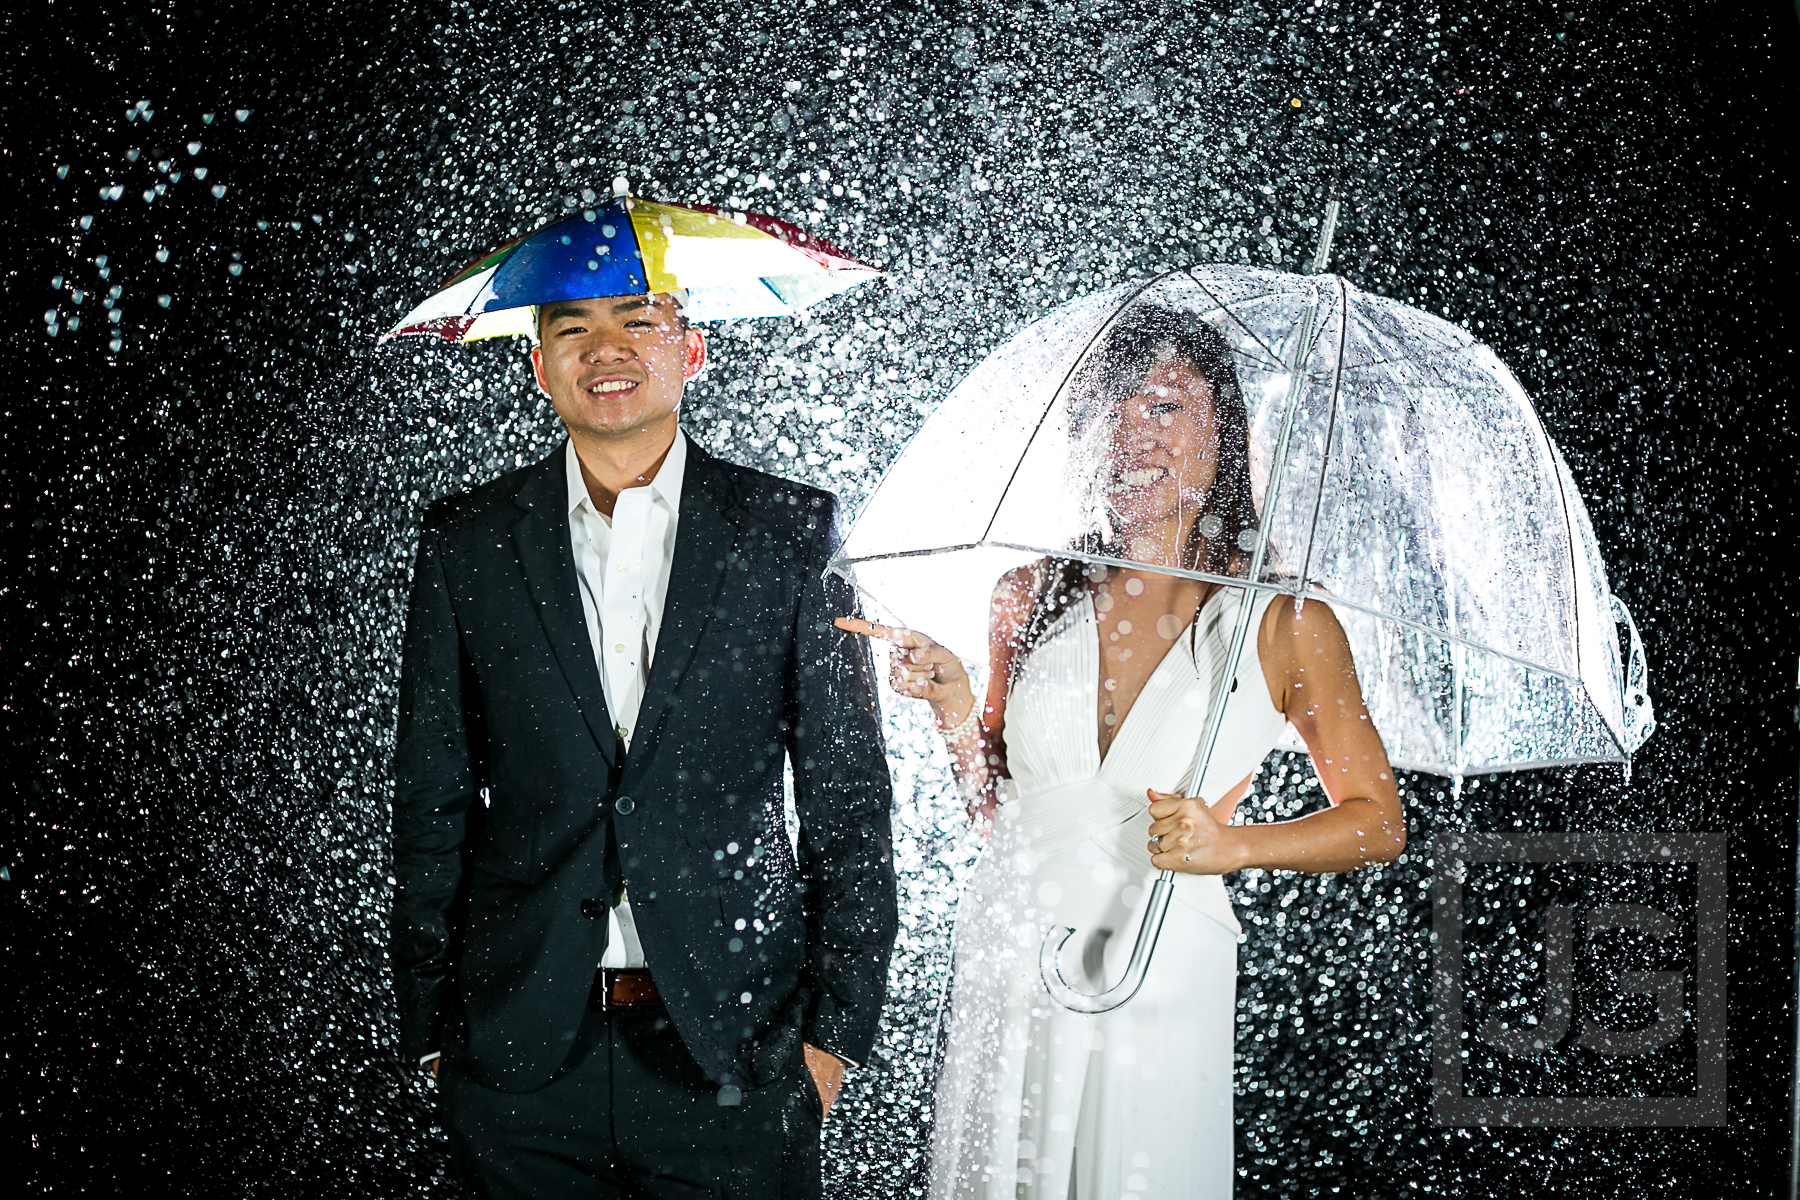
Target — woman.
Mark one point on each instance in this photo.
(1101, 681)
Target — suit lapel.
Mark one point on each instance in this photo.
(704, 535)
(541, 538)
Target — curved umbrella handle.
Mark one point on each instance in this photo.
(1050, 956)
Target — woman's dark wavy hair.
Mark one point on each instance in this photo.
(1143, 336)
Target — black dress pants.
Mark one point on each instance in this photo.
(632, 1115)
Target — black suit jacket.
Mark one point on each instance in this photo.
(509, 781)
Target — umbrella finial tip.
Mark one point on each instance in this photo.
(621, 187)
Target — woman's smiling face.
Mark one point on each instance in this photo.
(1165, 447)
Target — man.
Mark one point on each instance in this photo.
(625, 978)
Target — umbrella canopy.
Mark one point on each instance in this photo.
(1398, 470)
(730, 263)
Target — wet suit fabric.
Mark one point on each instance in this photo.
(519, 816)
(634, 1116)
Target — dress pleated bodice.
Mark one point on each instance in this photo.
(1039, 1103)
(1065, 791)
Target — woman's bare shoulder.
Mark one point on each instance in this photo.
(1016, 593)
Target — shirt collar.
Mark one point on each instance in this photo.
(666, 486)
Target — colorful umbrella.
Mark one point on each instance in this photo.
(730, 263)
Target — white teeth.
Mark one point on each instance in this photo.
(1143, 478)
(611, 385)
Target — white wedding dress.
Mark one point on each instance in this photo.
(1035, 1102)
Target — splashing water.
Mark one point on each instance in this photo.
(216, 479)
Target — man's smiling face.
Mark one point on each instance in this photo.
(616, 364)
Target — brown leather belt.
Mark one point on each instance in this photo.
(623, 989)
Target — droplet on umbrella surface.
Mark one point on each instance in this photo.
(206, 118)
(62, 171)
(193, 147)
(218, 190)
(56, 282)
(242, 114)
(162, 254)
(199, 172)
(86, 222)
(131, 155)
(165, 299)
(236, 268)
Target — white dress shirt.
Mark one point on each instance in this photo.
(622, 564)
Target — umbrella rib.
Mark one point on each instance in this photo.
(1105, 328)
(1562, 495)
(1534, 764)
(1239, 582)
(1225, 308)
(1425, 359)
(1337, 378)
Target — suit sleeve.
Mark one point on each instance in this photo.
(843, 796)
(434, 792)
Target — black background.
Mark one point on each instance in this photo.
(207, 531)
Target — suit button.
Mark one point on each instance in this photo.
(593, 908)
(623, 805)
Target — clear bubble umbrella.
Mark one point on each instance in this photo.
(1398, 471)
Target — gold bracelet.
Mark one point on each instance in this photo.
(960, 730)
